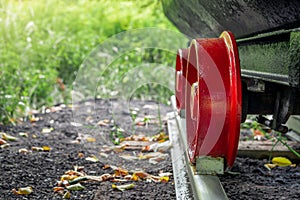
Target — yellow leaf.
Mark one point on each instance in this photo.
(23, 191)
(122, 187)
(67, 177)
(8, 137)
(281, 161)
(46, 148)
(67, 195)
(164, 179)
(134, 177)
(270, 166)
(121, 172)
(76, 187)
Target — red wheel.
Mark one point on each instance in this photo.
(213, 89)
(181, 63)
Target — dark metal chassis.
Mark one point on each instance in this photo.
(268, 38)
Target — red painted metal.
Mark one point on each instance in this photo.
(213, 90)
(180, 77)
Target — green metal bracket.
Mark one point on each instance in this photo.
(209, 165)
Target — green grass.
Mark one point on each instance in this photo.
(46, 40)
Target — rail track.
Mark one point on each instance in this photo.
(188, 184)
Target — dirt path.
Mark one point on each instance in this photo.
(74, 146)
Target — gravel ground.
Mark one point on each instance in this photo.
(71, 143)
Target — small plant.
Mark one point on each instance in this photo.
(278, 138)
(269, 134)
(133, 114)
(116, 134)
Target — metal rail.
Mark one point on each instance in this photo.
(204, 187)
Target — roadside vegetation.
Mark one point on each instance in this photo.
(43, 43)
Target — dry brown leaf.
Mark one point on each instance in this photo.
(121, 172)
(106, 167)
(141, 174)
(56, 189)
(104, 122)
(2, 141)
(80, 155)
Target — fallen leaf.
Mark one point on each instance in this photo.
(161, 147)
(3, 146)
(128, 157)
(2, 141)
(78, 168)
(123, 187)
(67, 195)
(80, 155)
(164, 179)
(22, 134)
(23, 191)
(141, 174)
(121, 172)
(7, 137)
(281, 161)
(106, 167)
(34, 119)
(161, 137)
(141, 123)
(23, 150)
(92, 158)
(47, 130)
(78, 179)
(156, 160)
(37, 149)
(76, 187)
(103, 155)
(56, 189)
(165, 174)
(76, 173)
(46, 148)
(67, 177)
(270, 166)
(104, 122)
(151, 155)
